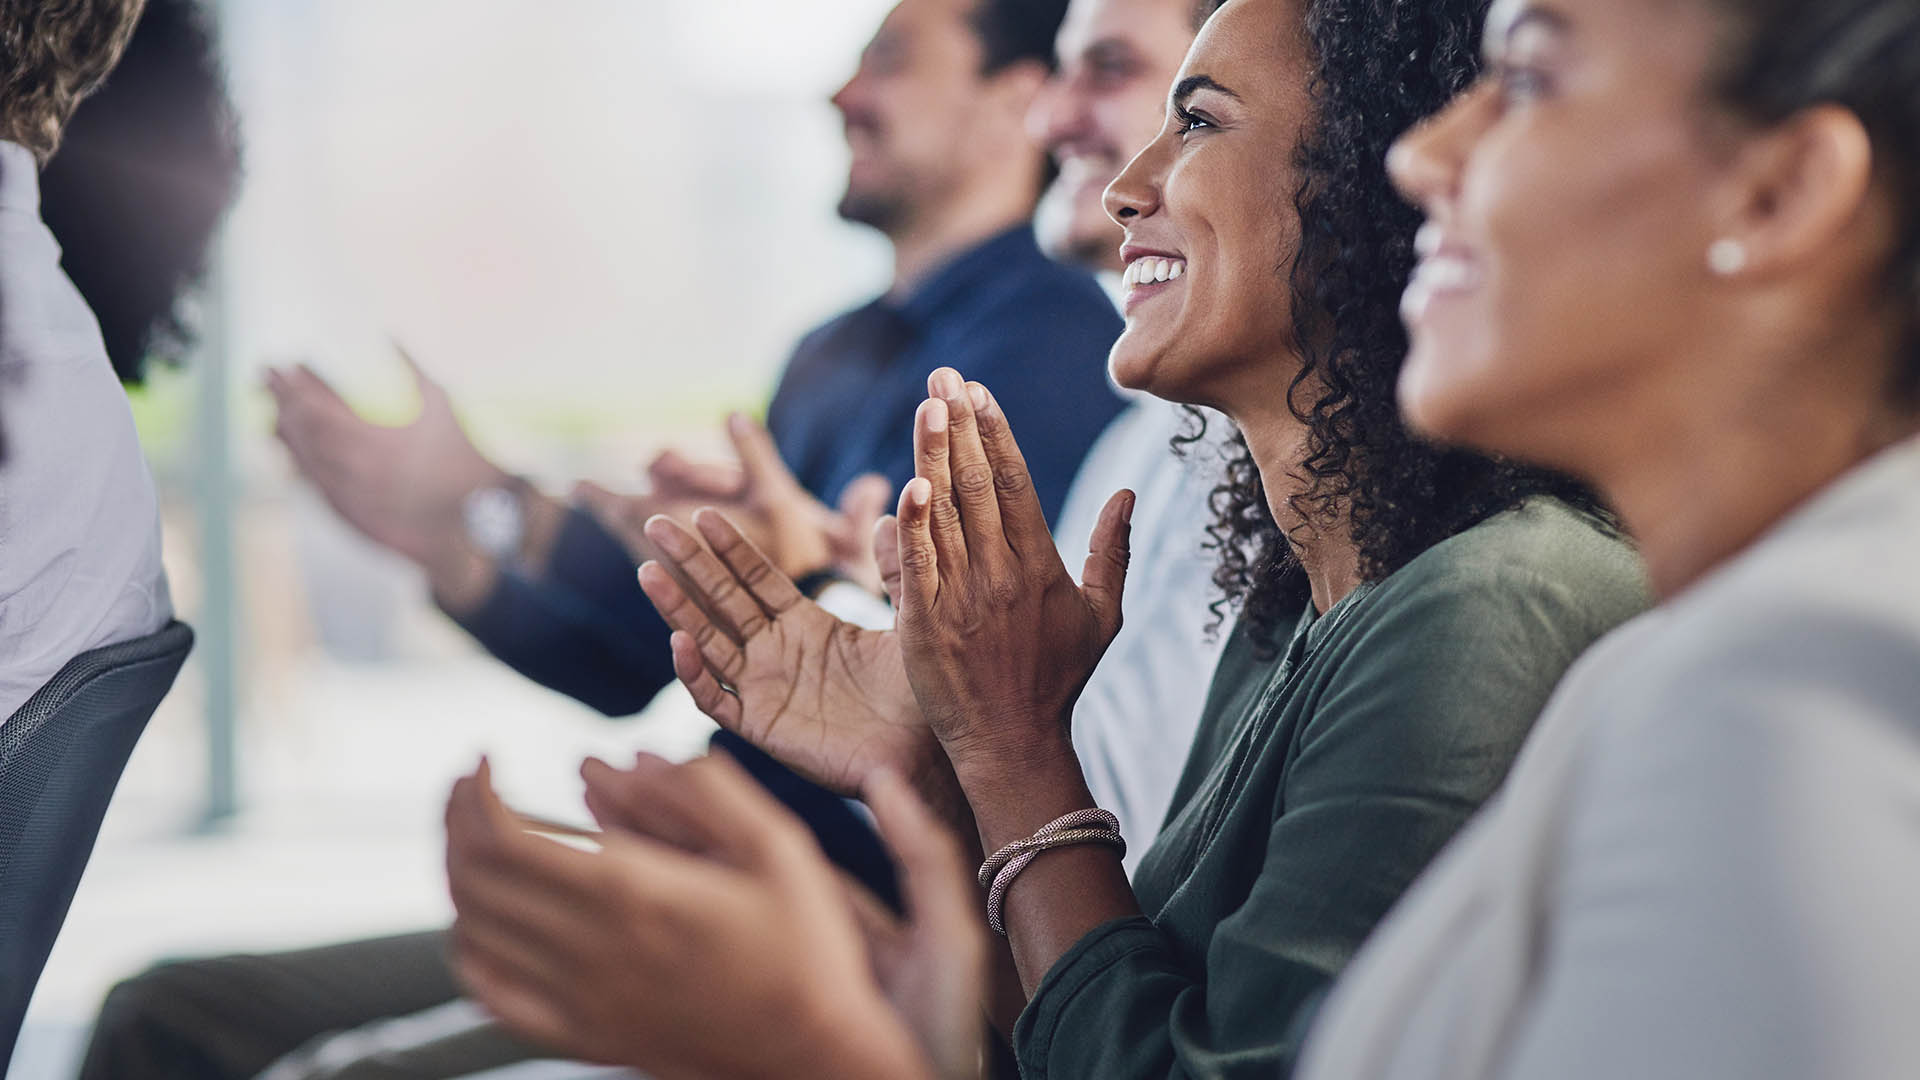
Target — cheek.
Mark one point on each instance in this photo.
(1585, 247)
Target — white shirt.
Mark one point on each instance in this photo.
(1133, 727)
(1706, 862)
(79, 519)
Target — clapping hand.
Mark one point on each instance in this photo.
(799, 534)
(399, 486)
(708, 910)
(997, 638)
(827, 698)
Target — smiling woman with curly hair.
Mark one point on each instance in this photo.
(1395, 494)
(1408, 611)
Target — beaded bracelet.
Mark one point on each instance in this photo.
(1080, 827)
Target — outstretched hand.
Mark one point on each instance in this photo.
(997, 637)
(825, 697)
(707, 909)
(399, 486)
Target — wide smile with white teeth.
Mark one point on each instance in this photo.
(1438, 274)
(1150, 270)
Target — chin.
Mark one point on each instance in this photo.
(1152, 371)
(1434, 401)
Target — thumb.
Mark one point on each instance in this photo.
(866, 500)
(758, 455)
(1104, 579)
(421, 380)
(886, 553)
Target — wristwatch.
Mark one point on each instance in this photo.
(495, 520)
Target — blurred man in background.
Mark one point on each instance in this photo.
(944, 167)
(1133, 724)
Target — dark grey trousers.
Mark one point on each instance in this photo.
(229, 1017)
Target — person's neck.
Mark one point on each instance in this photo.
(922, 247)
(1277, 439)
(1701, 482)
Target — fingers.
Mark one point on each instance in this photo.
(522, 887)
(1103, 581)
(866, 500)
(759, 457)
(713, 804)
(919, 563)
(1021, 516)
(717, 650)
(709, 696)
(886, 555)
(715, 586)
(628, 799)
(942, 905)
(940, 891)
(671, 474)
(972, 476)
(524, 1006)
(771, 589)
(618, 513)
(932, 466)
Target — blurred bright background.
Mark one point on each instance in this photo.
(602, 224)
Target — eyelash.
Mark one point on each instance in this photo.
(1521, 84)
(1190, 122)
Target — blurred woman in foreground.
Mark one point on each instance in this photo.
(1674, 247)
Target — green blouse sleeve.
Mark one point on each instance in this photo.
(1412, 725)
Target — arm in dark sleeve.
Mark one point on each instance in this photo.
(585, 629)
(1412, 732)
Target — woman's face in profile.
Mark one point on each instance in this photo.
(1569, 199)
(1208, 213)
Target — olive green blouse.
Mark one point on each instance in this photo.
(1321, 782)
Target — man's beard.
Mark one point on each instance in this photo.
(884, 211)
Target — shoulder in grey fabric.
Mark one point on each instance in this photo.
(61, 756)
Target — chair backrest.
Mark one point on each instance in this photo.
(61, 755)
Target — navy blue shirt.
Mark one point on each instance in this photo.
(1036, 332)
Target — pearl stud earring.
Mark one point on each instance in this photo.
(1727, 257)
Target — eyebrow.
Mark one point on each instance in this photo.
(1193, 84)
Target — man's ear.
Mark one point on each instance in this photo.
(1016, 87)
(1798, 188)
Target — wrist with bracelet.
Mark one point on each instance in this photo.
(997, 873)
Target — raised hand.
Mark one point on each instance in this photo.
(402, 486)
(997, 638)
(827, 698)
(669, 953)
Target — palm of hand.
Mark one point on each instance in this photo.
(832, 699)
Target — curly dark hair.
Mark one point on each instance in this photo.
(1380, 66)
(150, 165)
(52, 54)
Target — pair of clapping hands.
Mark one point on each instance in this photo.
(709, 936)
(994, 640)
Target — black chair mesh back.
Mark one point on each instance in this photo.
(61, 756)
